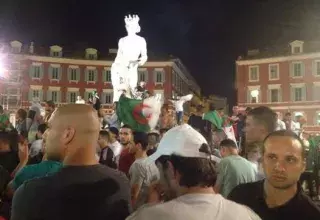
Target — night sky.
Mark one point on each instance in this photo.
(208, 35)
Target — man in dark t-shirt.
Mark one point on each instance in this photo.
(82, 189)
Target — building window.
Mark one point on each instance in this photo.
(318, 118)
(159, 77)
(108, 76)
(73, 74)
(73, 97)
(297, 49)
(35, 94)
(274, 71)
(91, 74)
(36, 72)
(297, 70)
(316, 92)
(274, 95)
(317, 68)
(297, 94)
(254, 73)
(55, 54)
(142, 76)
(254, 95)
(54, 96)
(91, 56)
(55, 73)
(108, 98)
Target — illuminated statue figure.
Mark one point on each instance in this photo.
(132, 52)
(80, 100)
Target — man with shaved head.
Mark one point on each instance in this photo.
(83, 189)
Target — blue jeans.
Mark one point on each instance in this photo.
(179, 116)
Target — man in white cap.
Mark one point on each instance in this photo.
(187, 180)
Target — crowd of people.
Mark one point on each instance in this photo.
(75, 163)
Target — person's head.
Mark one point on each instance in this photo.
(260, 122)
(183, 161)
(248, 109)
(132, 24)
(212, 107)
(163, 131)
(104, 138)
(41, 129)
(228, 147)
(153, 138)
(235, 110)
(72, 134)
(21, 114)
(125, 135)
(140, 140)
(49, 106)
(165, 109)
(199, 108)
(114, 133)
(1, 109)
(284, 159)
(288, 116)
(220, 111)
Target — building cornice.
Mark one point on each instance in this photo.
(278, 59)
(62, 60)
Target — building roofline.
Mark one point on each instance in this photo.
(278, 59)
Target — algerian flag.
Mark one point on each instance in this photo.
(140, 115)
(214, 118)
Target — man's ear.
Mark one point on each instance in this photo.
(68, 135)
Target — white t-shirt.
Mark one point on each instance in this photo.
(116, 148)
(178, 105)
(196, 207)
(281, 125)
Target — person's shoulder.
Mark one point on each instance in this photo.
(242, 211)
(309, 206)
(242, 191)
(117, 175)
(159, 210)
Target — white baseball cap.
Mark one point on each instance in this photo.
(181, 140)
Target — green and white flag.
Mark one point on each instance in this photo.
(140, 115)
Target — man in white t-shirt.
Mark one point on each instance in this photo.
(187, 179)
(280, 124)
(178, 106)
(114, 144)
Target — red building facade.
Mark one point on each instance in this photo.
(286, 83)
(61, 79)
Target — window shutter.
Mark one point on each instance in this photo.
(104, 76)
(78, 74)
(248, 96)
(41, 95)
(49, 95)
(59, 72)
(69, 74)
(50, 72)
(41, 71)
(269, 95)
(31, 70)
(292, 94)
(58, 96)
(103, 98)
(155, 76)
(30, 95)
(146, 76)
(86, 96)
(86, 75)
(96, 75)
(302, 69)
(304, 93)
(68, 98)
(291, 70)
(280, 95)
(163, 76)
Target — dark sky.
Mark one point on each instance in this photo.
(208, 35)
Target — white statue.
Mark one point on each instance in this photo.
(132, 52)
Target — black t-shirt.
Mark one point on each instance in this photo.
(94, 192)
(252, 195)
